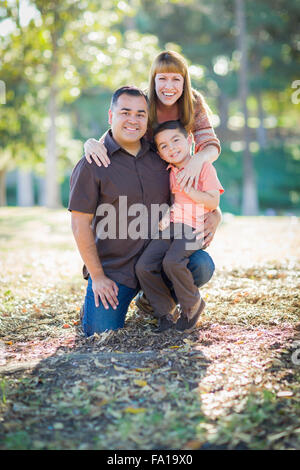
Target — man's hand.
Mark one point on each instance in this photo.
(107, 290)
(211, 221)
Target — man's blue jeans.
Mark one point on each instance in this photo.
(99, 319)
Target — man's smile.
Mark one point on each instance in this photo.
(131, 129)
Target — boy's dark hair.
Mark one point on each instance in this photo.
(128, 90)
(170, 125)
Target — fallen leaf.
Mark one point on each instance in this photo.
(285, 394)
(58, 425)
(66, 325)
(192, 445)
(129, 409)
(140, 383)
(120, 368)
(101, 402)
(95, 411)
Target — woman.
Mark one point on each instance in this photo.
(171, 97)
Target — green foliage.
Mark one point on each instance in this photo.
(3, 387)
(83, 50)
(69, 47)
(19, 440)
(278, 177)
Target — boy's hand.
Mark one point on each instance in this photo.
(165, 222)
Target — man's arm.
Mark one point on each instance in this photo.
(103, 287)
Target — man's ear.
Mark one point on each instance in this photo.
(109, 116)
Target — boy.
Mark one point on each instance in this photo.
(177, 240)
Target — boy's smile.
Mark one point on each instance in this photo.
(173, 147)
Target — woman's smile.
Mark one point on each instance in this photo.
(169, 87)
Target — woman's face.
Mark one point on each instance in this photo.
(168, 87)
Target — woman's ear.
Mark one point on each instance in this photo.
(190, 139)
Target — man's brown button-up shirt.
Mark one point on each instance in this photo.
(124, 198)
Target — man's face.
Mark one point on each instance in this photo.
(173, 146)
(128, 119)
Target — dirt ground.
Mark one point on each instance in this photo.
(231, 384)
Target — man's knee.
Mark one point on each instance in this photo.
(202, 267)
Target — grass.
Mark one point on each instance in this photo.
(230, 384)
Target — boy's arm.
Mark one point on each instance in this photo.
(103, 287)
(210, 199)
(165, 220)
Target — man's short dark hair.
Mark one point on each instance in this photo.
(170, 125)
(128, 90)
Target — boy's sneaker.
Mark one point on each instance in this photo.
(143, 304)
(164, 323)
(186, 324)
(168, 321)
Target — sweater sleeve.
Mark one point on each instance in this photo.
(202, 130)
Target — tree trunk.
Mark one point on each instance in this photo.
(3, 201)
(261, 131)
(250, 198)
(25, 195)
(223, 102)
(52, 188)
(41, 191)
(52, 196)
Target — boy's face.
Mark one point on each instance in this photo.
(173, 146)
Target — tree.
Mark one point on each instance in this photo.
(249, 200)
(21, 114)
(70, 48)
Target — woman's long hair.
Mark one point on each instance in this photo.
(172, 62)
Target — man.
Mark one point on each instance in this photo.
(138, 177)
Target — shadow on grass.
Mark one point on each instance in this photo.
(128, 389)
(134, 389)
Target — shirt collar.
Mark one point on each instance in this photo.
(173, 168)
(113, 146)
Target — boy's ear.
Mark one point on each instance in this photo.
(190, 139)
(109, 116)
